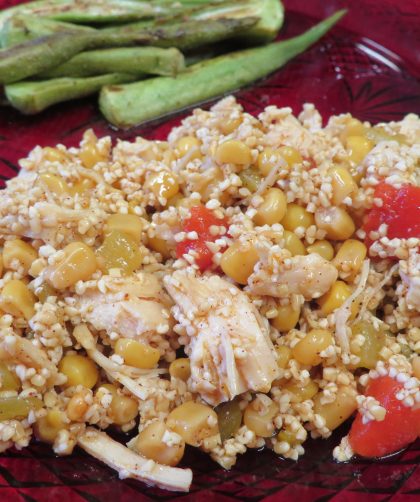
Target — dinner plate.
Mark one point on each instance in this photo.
(369, 66)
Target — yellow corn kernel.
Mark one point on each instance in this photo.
(301, 392)
(336, 222)
(90, 155)
(358, 147)
(82, 186)
(374, 341)
(287, 317)
(342, 183)
(130, 224)
(180, 368)
(194, 422)
(181, 201)
(290, 155)
(54, 155)
(36, 267)
(150, 444)
(119, 250)
(77, 406)
(350, 256)
(273, 208)
(8, 379)
(78, 264)
(137, 354)
(308, 349)
(338, 411)
(268, 159)
(297, 216)
(378, 134)
(260, 423)
(110, 387)
(284, 354)
(323, 248)
(288, 437)
(293, 244)
(20, 251)
(188, 145)
(16, 299)
(238, 261)
(160, 246)
(163, 184)
(353, 128)
(416, 366)
(79, 370)
(228, 126)
(54, 184)
(251, 179)
(47, 427)
(335, 297)
(45, 291)
(233, 152)
(123, 409)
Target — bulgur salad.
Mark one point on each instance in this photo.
(249, 282)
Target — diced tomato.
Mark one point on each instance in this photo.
(400, 427)
(400, 211)
(200, 221)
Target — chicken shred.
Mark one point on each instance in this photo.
(228, 343)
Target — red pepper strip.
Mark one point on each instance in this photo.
(400, 427)
(200, 221)
(400, 211)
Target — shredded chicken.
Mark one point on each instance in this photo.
(310, 276)
(131, 465)
(134, 307)
(228, 344)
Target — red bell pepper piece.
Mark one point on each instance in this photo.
(400, 211)
(400, 427)
(200, 221)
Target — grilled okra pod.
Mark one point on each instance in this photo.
(129, 105)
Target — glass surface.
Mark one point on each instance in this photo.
(369, 66)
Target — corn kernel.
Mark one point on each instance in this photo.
(336, 222)
(293, 244)
(297, 216)
(123, 409)
(287, 317)
(288, 437)
(90, 155)
(78, 264)
(16, 299)
(308, 349)
(301, 392)
(163, 184)
(350, 256)
(260, 423)
(284, 354)
(48, 427)
(149, 443)
(79, 370)
(359, 147)
(188, 145)
(18, 250)
(137, 354)
(54, 155)
(160, 246)
(342, 183)
(273, 208)
(82, 186)
(130, 224)
(77, 406)
(338, 411)
(335, 297)
(238, 261)
(353, 128)
(119, 250)
(233, 152)
(290, 155)
(323, 248)
(228, 126)
(54, 184)
(8, 379)
(180, 368)
(194, 422)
